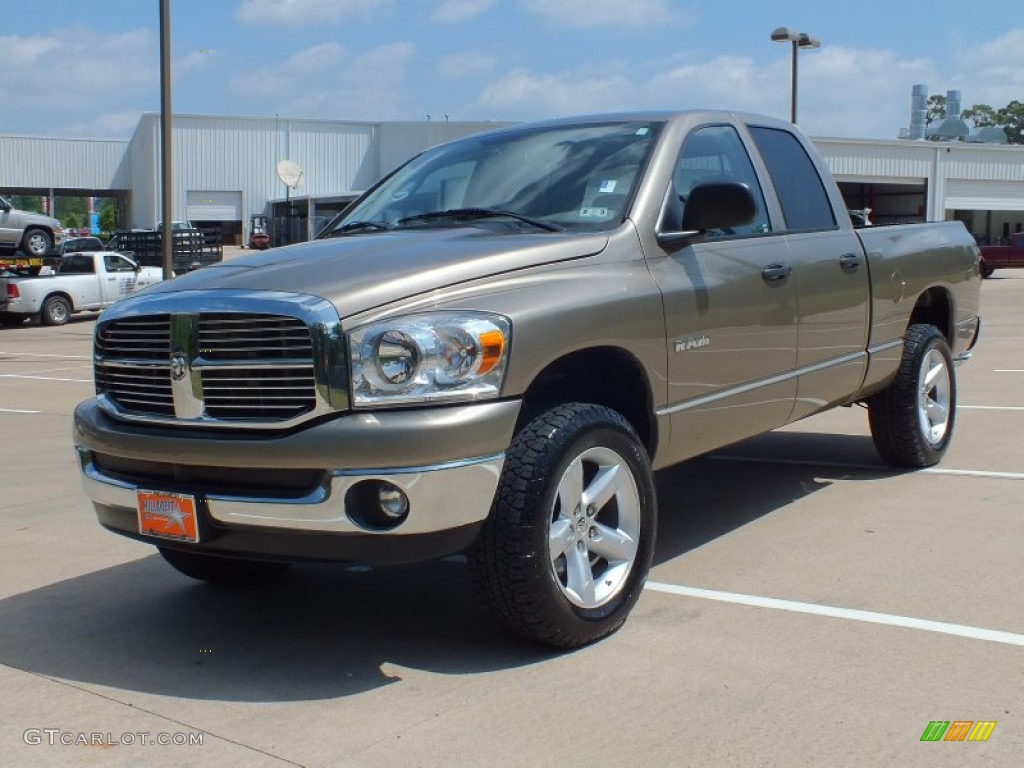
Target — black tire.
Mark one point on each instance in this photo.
(986, 271)
(912, 420)
(56, 310)
(512, 561)
(227, 571)
(36, 243)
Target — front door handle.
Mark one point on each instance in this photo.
(849, 261)
(776, 272)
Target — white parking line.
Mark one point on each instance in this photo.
(991, 407)
(16, 410)
(43, 354)
(866, 467)
(1008, 370)
(41, 378)
(52, 370)
(851, 614)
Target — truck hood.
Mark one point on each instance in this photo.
(362, 271)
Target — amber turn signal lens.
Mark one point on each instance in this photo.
(492, 345)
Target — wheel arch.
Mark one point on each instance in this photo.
(42, 228)
(62, 294)
(935, 307)
(605, 375)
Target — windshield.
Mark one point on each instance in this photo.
(575, 177)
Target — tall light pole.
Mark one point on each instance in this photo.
(798, 40)
(166, 241)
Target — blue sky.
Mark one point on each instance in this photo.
(91, 68)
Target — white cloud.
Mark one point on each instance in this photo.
(990, 72)
(595, 13)
(842, 92)
(309, 12)
(74, 73)
(370, 86)
(467, 64)
(533, 95)
(455, 11)
(314, 60)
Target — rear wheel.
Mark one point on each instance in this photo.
(56, 310)
(215, 569)
(986, 271)
(563, 556)
(912, 420)
(36, 243)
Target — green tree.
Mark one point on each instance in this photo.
(31, 203)
(936, 108)
(982, 115)
(108, 216)
(1011, 120)
(71, 211)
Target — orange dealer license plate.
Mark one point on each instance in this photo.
(168, 515)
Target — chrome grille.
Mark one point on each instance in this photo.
(242, 367)
(132, 365)
(228, 336)
(136, 338)
(143, 390)
(269, 393)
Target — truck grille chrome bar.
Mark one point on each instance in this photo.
(223, 368)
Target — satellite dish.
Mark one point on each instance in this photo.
(290, 174)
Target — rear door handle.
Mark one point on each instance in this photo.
(775, 272)
(849, 261)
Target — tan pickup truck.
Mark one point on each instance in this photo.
(491, 350)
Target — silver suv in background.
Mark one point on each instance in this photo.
(37, 235)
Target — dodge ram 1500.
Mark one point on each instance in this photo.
(493, 347)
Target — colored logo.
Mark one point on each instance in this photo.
(958, 730)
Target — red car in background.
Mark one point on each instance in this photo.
(995, 257)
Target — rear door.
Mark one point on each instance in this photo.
(830, 273)
(730, 311)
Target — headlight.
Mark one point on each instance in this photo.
(429, 357)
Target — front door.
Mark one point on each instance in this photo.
(730, 312)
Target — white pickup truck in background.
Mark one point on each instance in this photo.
(84, 281)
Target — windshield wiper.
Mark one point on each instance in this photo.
(359, 226)
(466, 214)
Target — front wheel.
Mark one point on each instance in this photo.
(36, 243)
(563, 556)
(912, 420)
(986, 271)
(227, 571)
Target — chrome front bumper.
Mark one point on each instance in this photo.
(432, 503)
(447, 461)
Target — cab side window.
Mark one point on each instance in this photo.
(714, 154)
(115, 263)
(78, 265)
(805, 204)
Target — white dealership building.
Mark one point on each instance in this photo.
(225, 170)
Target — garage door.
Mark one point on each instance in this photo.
(984, 195)
(214, 206)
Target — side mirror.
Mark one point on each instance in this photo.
(712, 205)
(5, 206)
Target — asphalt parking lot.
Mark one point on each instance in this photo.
(808, 607)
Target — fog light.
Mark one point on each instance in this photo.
(376, 505)
(393, 501)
